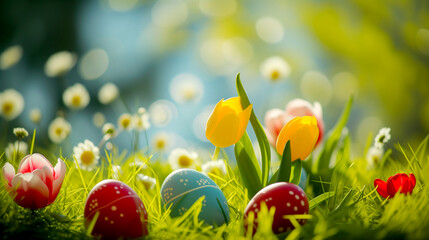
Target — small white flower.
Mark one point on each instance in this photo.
(60, 63)
(108, 93)
(86, 154)
(374, 155)
(11, 104)
(214, 167)
(116, 171)
(186, 87)
(35, 115)
(76, 97)
(141, 121)
(10, 57)
(20, 132)
(382, 137)
(161, 141)
(148, 182)
(125, 121)
(13, 147)
(58, 130)
(275, 68)
(108, 129)
(98, 119)
(182, 158)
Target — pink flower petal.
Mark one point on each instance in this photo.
(299, 107)
(274, 122)
(59, 173)
(29, 191)
(32, 162)
(46, 175)
(8, 174)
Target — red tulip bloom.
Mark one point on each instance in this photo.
(399, 182)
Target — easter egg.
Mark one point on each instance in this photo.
(121, 211)
(287, 198)
(183, 187)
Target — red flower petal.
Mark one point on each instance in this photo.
(381, 187)
(400, 181)
(412, 182)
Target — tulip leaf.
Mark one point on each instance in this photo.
(322, 164)
(248, 165)
(285, 165)
(259, 132)
(296, 171)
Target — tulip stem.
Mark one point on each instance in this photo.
(216, 154)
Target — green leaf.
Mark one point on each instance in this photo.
(259, 132)
(285, 165)
(322, 164)
(319, 199)
(296, 171)
(248, 165)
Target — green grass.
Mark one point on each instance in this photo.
(355, 210)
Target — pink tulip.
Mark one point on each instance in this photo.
(37, 183)
(275, 119)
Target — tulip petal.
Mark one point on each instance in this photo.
(30, 191)
(234, 103)
(399, 181)
(59, 173)
(46, 175)
(243, 118)
(8, 174)
(299, 107)
(412, 182)
(225, 132)
(32, 162)
(381, 187)
(213, 118)
(274, 122)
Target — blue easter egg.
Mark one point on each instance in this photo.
(303, 180)
(183, 187)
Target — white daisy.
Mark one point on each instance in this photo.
(60, 63)
(13, 147)
(116, 171)
(125, 121)
(186, 87)
(58, 130)
(382, 137)
(98, 119)
(20, 132)
(275, 68)
(141, 121)
(148, 182)
(182, 158)
(35, 115)
(86, 154)
(10, 57)
(108, 93)
(373, 157)
(108, 129)
(11, 104)
(214, 167)
(76, 97)
(161, 141)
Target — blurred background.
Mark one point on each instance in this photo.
(178, 58)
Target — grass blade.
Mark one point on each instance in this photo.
(259, 132)
(319, 199)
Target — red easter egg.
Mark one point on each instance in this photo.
(287, 198)
(122, 213)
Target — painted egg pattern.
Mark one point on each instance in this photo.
(122, 213)
(183, 187)
(287, 198)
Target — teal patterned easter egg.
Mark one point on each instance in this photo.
(183, 187)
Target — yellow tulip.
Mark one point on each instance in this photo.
(227, 123)
(302, 133)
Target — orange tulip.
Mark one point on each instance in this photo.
(302, 133)
(227, 123)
